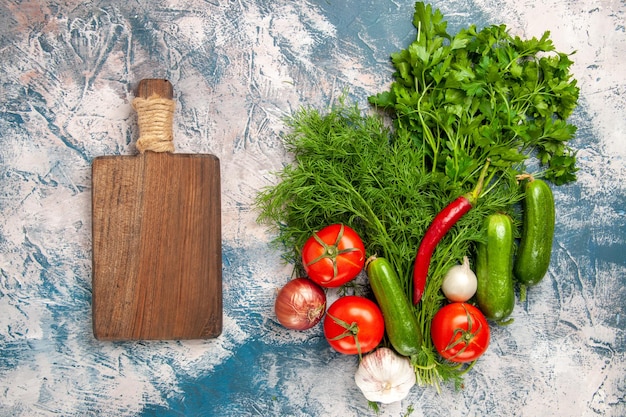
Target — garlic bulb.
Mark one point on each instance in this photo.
(384, 376)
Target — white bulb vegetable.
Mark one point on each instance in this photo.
(384, 376)
(460, 283)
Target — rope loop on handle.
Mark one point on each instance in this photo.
(155, 117)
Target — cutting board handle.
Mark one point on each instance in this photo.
(154, 104)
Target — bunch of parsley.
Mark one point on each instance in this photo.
(483, 94)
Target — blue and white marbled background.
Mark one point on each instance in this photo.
(67, 71)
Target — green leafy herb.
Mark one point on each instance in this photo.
(349, 168)
(483, 94)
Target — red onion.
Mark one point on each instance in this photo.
(300, 304)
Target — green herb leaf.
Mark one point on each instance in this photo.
(520, 90)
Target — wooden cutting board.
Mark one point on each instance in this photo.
(157, 260)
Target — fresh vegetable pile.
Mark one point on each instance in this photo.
(457, 182)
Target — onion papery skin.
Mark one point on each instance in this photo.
(300, 304)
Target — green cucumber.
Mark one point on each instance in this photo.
(535, 246)
(401, 324)
(495, 292)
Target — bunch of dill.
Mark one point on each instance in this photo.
(349, 168)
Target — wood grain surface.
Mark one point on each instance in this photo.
(156, 244)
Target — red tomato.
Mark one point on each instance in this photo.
(354, 324)
(333, 256)
(460, 332)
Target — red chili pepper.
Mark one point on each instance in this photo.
(440, 225)
(442, 222)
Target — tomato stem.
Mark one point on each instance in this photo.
(466, 335)
(331, 251)
(351, 329)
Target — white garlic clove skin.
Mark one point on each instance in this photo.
(384, 376)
